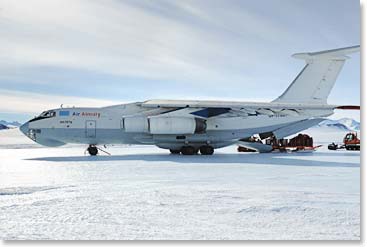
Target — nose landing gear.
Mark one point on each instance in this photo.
(93, 150)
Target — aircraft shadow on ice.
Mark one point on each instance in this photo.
(259, 159)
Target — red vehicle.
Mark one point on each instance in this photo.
(350, 142)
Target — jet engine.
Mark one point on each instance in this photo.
(135, 124)
(176, 125)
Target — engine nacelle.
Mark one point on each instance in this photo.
(176, 125)
(136, 124)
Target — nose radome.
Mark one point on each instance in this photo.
(24, 128)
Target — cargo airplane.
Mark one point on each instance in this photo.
(192, 126)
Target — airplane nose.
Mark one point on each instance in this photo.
(24, 128)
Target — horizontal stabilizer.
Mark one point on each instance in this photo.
(348, 107)
(329, 54)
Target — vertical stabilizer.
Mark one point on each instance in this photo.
(314, 83)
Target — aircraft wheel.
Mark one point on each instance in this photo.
(92, 150)
(188, 150)
(206, 150)
(174, 151)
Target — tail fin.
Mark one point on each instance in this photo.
(314, 83)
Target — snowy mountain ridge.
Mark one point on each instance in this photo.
(345, 124)
(3, 127)
(10, 124)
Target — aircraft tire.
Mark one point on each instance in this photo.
(206, 150)
(188, 150)
(92, 150)
(174, 151)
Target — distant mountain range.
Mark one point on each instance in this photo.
(345, 124)
(3, 127)
(10, 124)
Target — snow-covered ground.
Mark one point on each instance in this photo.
(145, 193)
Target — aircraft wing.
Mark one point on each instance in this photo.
(231, 104)
(207, 109)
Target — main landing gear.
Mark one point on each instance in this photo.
(190, 150)
(174, 151)
(93, 150)
(206, 150)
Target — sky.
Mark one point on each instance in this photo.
(98, 53)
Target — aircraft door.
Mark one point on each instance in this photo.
(90, 129)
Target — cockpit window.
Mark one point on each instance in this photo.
(44, 115)
(47, 114)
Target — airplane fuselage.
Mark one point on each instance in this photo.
(98, 126)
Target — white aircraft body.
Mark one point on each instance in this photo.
(188, 127)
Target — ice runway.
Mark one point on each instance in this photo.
(145, 193)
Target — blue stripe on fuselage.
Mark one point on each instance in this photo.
(64, 113)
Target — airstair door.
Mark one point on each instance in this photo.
(90, 128)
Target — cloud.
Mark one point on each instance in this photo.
(123, 38)
(33, 103)
(164, 48)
